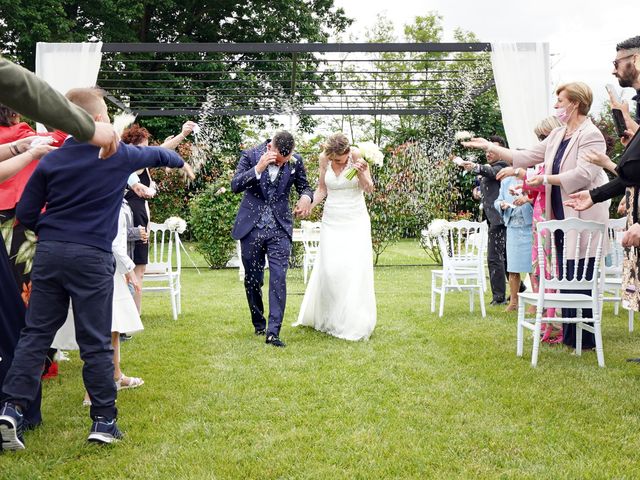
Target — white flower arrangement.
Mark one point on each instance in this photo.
(371, 153)
(176, 224)
(437, 226)
(463, 135)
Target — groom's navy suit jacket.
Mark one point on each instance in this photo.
(256, 192)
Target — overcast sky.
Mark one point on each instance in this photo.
(582, 33)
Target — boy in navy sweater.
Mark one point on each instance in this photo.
(82, 195)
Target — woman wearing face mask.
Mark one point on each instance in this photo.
(567, 170)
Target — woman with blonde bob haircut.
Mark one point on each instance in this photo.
(567, 170)
(340, 299)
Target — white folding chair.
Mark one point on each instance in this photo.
(462, 247)
(164, 247)
(582, 240)
(311, 243)
(613, 271)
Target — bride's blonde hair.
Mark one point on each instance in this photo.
(335, 145)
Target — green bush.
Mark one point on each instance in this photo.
(212, 213)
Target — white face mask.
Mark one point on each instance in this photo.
(562, 114)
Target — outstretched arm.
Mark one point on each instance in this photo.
(25, 93)
(484, 144)
(172, 142)
(10, 167)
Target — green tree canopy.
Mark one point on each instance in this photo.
(164, 21)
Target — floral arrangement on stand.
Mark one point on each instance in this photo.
(429, 238)
(176, 224)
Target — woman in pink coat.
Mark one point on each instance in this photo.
(566, 170)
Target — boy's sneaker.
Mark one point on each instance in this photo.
(11, 427)
(104, 430)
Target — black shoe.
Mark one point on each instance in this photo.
(260, 331)
(495, 302)
(274, 340)
(104, 430)
(634, 360)
(124, 337)
(11, 427)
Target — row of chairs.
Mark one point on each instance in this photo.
(463, 247)
(165, 262)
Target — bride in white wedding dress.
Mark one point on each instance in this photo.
(340, 299)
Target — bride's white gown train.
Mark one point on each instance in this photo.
(340, 298)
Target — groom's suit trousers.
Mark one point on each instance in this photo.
(273, 243)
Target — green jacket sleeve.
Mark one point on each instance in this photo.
(32, 97)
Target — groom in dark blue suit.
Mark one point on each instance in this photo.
(264, 224)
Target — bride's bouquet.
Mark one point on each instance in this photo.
(371, 154)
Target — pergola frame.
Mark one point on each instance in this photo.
(147, 93)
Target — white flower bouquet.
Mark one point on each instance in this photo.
(176, 224)
(371, 153)
(463, 135)
(437, 226)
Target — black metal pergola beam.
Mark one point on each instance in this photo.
(151, 88)
(293, 47)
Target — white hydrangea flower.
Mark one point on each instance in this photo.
(463, 135)
(437, 226)
(176, 224)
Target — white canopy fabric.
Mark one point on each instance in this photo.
(522, 75)
(68, 65)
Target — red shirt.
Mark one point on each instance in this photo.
(11, 189)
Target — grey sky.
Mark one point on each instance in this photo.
(582, 33)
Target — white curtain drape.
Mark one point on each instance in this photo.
(522, 75)
(68, 65)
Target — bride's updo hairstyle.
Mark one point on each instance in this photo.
(336, 145)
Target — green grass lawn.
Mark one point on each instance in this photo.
(426, 397)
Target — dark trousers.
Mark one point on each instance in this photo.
(275, 244)
(12, 316)
(84, 274)
(569, 329)
(497, 259)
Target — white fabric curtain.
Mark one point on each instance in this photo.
(522, 75)
(68, 65)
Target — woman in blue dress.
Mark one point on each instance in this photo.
(518, 220)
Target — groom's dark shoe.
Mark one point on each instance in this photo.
(261, 331)
(274, 340)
